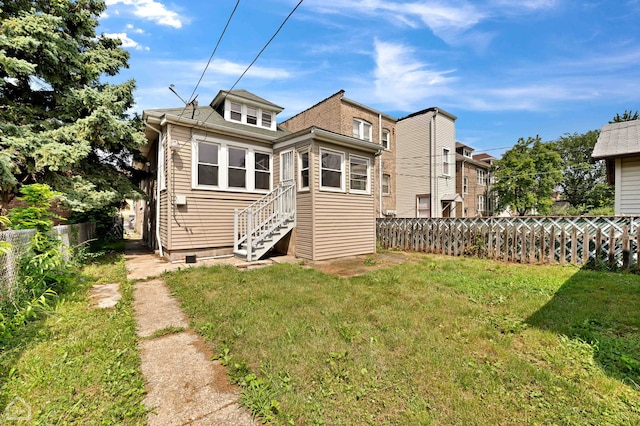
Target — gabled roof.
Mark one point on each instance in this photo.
(432, 109)
(618, 139)
(244, 95)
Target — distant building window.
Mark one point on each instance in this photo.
(466, 153)
(465, 185)
(236, 112)
(262, 171)
(237, 168)
(331, 170)
(361, 129)
(482, 178)
(386, 184)
(481, 204)
(266, 119)
(304, 170)
(252, 116)
(424, 205)
(359, 174)
(385, 139)
(445, 161)
(208, 164)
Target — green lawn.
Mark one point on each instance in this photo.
(440, 340)
(77, 365)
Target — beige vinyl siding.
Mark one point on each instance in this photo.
(628, 187)
(343, 223)
(304, 225)
(206, 221)
(164, 219)
(412, 162)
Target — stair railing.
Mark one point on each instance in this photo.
(253, 224)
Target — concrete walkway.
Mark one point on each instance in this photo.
(183, 385)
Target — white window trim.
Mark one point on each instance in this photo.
(243, 113)
(162, 172)
(223, 166)
(300, 187)
(282, 154)
(465, 185)
(481, 181)
(367, 191)
(342, 171)
(446, 154)
(388, 133)
(361, 124)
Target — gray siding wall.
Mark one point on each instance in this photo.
(628, 187)
(413, 151)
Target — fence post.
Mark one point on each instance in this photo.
(612, 247)
(626, 247)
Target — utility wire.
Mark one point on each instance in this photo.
(259, 53)
(190, 98)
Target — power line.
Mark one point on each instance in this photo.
(210, 58)
(259, 53)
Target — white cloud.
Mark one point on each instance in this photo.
(404, 80)
(152, 10)
(127, 42)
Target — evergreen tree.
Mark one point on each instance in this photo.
(626, 116)
(59, 124)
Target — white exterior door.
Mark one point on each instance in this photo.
(286, 166)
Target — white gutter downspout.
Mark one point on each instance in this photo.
(434, 166)
(157, 191)
(380, 164)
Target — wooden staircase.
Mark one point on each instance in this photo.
(260, 226)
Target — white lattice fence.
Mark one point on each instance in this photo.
(18, 244)
(578, 240)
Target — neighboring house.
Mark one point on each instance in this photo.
(473, 180)
(228, 179)
(344, 116)
(619, 145)
(425, 160)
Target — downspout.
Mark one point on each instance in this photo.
(157, 192)
(434, 167)
(380, 165)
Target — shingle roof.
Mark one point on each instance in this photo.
(208, 115)
(618, 139)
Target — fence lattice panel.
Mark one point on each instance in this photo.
(576, 240)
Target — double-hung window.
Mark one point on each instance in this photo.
(252, 116)
(361, 129)
(262, 171)
(358, 174)
(482, 179)
(385, 139)
(465, 185)
(445, 161)
(304, 170)
(386, 184)
(235, 111)
(331, 170)
(208, 164)
(237, 168)
(481, 204)
(266, 119)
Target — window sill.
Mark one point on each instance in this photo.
(235, 190)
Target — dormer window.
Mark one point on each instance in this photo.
(236, 111)
(466, 153)
(252, 116)
(266, 119)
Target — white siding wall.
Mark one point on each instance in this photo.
(628, 186)
(412, 162)
(445, 138)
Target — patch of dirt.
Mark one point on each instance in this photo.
(105, 296)
(360, 265)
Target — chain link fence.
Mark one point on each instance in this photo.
(16, 243)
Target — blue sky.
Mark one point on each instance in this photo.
(506, 69)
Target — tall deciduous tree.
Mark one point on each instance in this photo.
(59, 124)
(526, 175)
(584, 181)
